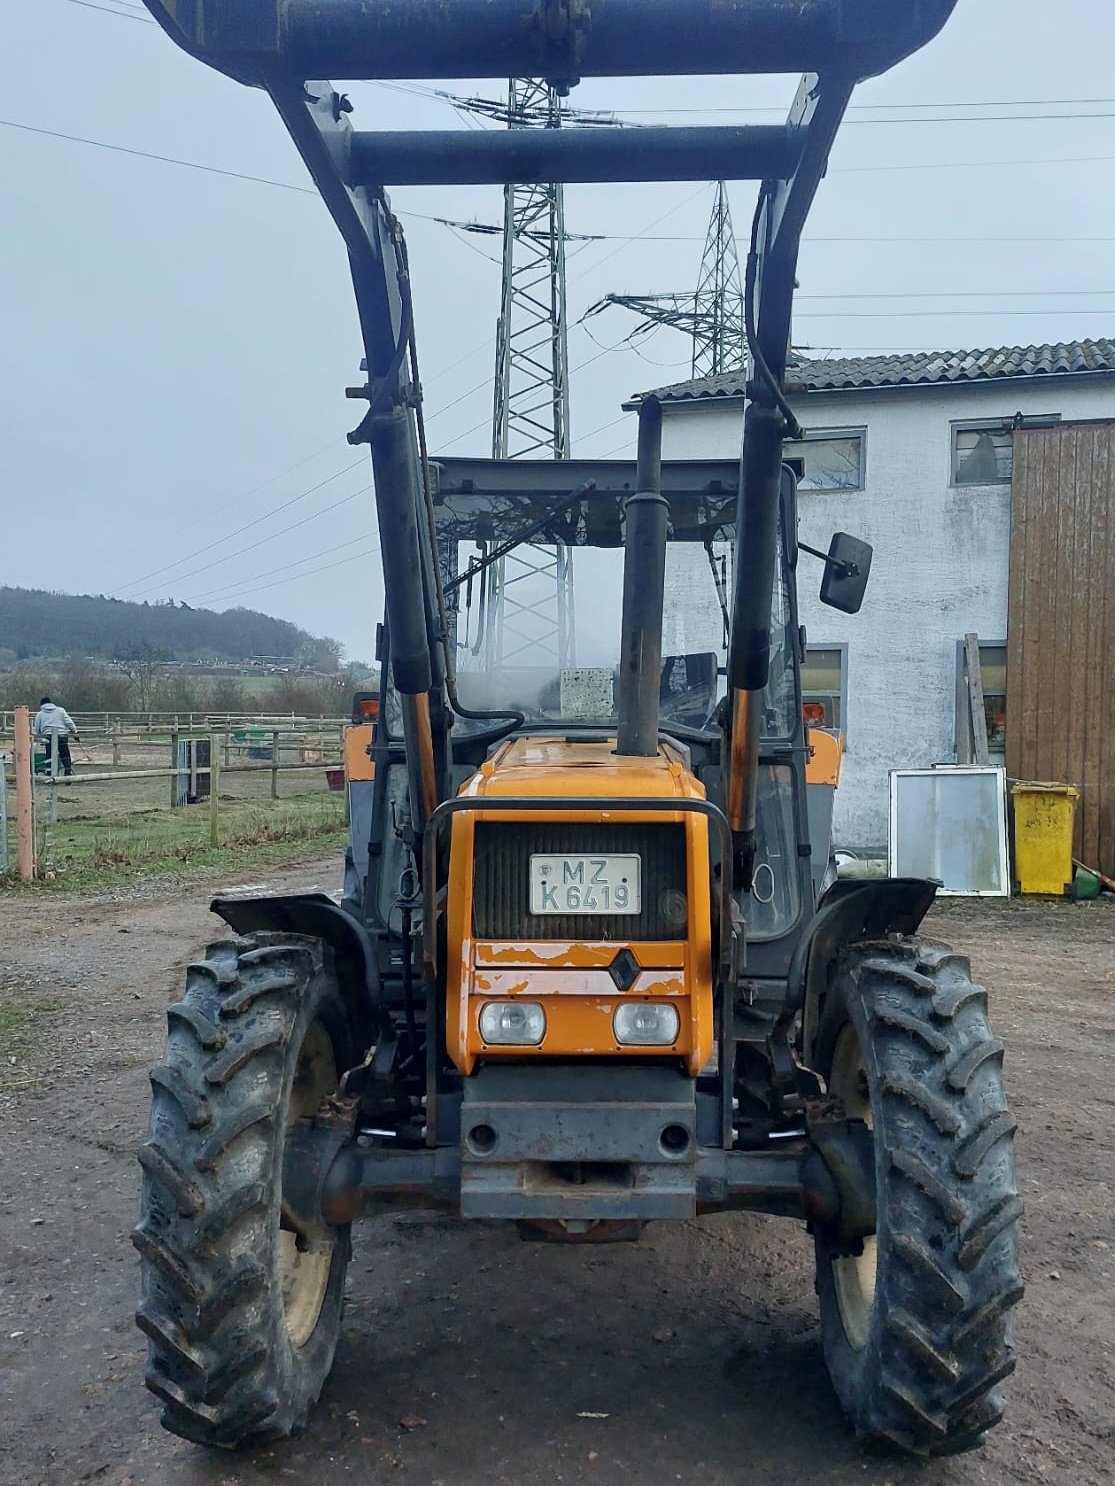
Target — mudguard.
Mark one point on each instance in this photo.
(850, 911)
(317, 916)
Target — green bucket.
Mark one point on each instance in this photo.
(1085, 885)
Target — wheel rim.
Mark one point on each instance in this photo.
(306, 1255)
(854, 1275)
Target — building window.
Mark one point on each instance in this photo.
(993, 674)
(828, 461)
(824, 686)
(983, 453)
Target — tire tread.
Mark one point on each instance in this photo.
(211, 1301)
(948, 1276)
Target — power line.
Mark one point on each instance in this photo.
(941, 314)
(913, 119)
(325, 567)
(108, 10)
(255, 489)
(240, 551)
(965, 294)
(842, 352)
(248, 525)
(605, 351)
(495, 109)
(592, 267)
(623, 418)
(622, 241)
(645, 235)
(120, 149)
(775, 108)
(986, 118)
(949, 240)
(618, 448)
(489, 229)
(425, 91)
(971, 164)
(284, 567)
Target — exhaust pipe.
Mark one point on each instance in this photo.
(644, 575)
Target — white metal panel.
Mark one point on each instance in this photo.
(950, 824)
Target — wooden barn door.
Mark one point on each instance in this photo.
(1061, 623)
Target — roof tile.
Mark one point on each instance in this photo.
(912, 369)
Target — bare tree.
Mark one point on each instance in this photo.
(143, 665)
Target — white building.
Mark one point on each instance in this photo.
(913, 453)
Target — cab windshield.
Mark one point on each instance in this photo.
(540, 631)
(535, 619)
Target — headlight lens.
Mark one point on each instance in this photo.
(646, 1024)
(512, 1023)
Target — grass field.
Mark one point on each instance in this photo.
(104, 833)
(102, 828)
(158, 839)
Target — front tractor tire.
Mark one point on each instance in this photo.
(916, 1329)
(240, 1308)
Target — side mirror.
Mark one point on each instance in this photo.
(847, 567)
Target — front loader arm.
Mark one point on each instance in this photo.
(277, 44)
(769, 289)
(317, 118)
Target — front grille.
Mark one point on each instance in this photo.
(501, 904)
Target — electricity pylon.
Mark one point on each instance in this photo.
(531, 593)
(713, 315)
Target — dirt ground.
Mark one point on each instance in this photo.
(693, 1356)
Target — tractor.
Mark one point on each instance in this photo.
(591, 968)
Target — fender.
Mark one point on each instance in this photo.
(850, 911)
(318, 917)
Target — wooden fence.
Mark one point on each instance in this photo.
(1061, 623)
(125, 797)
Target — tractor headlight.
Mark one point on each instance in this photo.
(513, 1023)
(646, 1024)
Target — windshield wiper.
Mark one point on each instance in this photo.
(721, 587)
(480, 565)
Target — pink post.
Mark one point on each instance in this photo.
(24, 816)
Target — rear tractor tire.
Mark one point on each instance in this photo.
(241, 1309)
(917, 1329)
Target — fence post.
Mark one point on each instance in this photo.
(115, 750)
(214, 790)
(275, 764)
(173, 765)
(228, 745)
(23, 805)
(3, 814)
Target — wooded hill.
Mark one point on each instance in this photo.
(34, 623)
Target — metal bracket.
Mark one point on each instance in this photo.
(563, 24)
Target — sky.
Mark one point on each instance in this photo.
(176, 342)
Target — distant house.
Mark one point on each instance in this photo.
(919, 454)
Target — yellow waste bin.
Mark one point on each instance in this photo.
(1043, 819)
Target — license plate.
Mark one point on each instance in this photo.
(576, 884)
